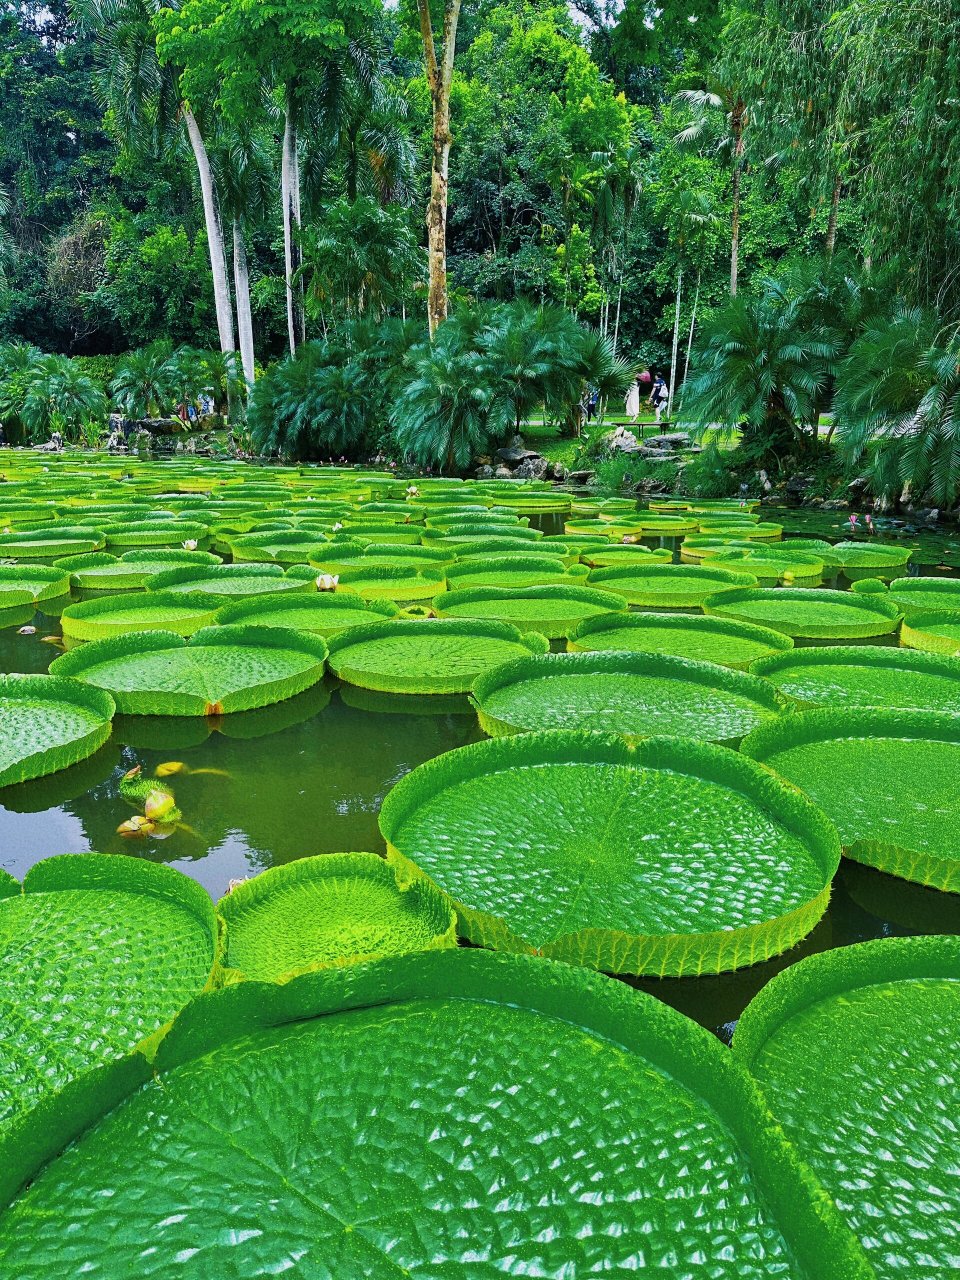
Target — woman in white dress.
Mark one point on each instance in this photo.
(633, 401)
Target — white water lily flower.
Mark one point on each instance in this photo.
(412, 490)
(337, 526)
(27, 631)
(327, 581)
(190, 544)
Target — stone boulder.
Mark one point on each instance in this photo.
(515, 452)
(620, 441)
(533, 467)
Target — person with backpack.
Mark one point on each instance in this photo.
(659, 395)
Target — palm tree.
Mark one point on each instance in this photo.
(721, 112)
(146, 382)
(146, 101)
(18, 364)
(763, 368)
(898, 407)
(450, 408)
(60, 398)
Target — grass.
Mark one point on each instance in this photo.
(547, 439)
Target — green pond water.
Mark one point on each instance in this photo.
(309, 776)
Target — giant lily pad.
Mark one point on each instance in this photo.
(325, 613)
(914, 596)
(637, 694)
(101, 571)
(390, 1073)
(220, 669)
(328, 910)
(933, 632)
(233, 581)
(39, 582)
(426, 655)
(666, 856)
(553, 611)
(96, 953)
(515, 570)
(158, 533)
(888, 779)
(813, 613)
(282, 546)
(866, 676)
(49, 724)
(401, 583)
(876, 1119)
(773, 565)
(731, 644)
(138, 611)
(669, 586)
(634, 553)
(869, 559)
(50, 543)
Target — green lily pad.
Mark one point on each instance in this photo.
(138, 611)
(96, 953)
(669, 586)
(933, 632)
(666, 856)
(514, 571)
(401, 583)
(813, 613)
(289, 546)
(770, 568)
(629, 554)
(876, 1119)
(886, 778)
(216, 671)
(50, 543)
(553, 611)
(869, 559)
(392, 1072)
(234, 581)
(49, 724)
(914, 596)
(331, 909)
(730, 644)
(101, 571)
(38, 582)
(866, 676)
(158, 533)
(426, 655)
(325, 613)
(636, 694)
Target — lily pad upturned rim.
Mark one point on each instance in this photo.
(535, 562)
(831, 973)
(721, 580)
(84, 619)
(393, 582)
(58, 688)
(917, 632)
(320, 867)
(406, 628)
(679, 622)
(552, 628)
(56, 581)
(628, 1020)
(898, 659)
(885, 614)
(294, 579)
(862, 724)
(714, 951)
(246, 611)
(620, 662)
(164, 702)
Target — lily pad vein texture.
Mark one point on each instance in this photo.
(218, 670)
(720, 640)
(663, 857)
(232, 581)
(876, 1120)
(669, 586)
(49, 723)
(452, 1113)
(553, 611)
(637, 694)
(812, 613)
(336, 908)
(515, 570)
(427, 655)
(96, 954)
(325, 614)
(865, 676)
(888, 779)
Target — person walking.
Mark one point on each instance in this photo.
(659, 395)
(632, 403)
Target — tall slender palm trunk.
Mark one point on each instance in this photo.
(211, 218)
(439, 71)
(290, 199)
(241, 281)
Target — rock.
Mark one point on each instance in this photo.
(580, 477)
(484, 471)
(656, 455)
(516, 451)
(836, 505)
(620, 441)
(503, 473)
(532, 468)
(669, 440)
(559, 471)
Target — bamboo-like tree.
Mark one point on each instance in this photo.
(438, 63)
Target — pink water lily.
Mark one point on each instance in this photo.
(853, 521)
(327, 581)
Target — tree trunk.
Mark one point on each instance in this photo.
(676, 346)
(218, 254)
(439, 76)
(693, 321)
(616, 322)
(290, 199)
(735, 231)
(241, 281)
(831, 240)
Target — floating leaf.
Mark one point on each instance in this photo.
(665, 857)
(49, 723)
(138, 611)
(866, 676)
(876, 1119)
(553, 611)
(731, 644)
(323, 614)
(813, 613)
(669, 586)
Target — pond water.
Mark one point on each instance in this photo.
(309, 775)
